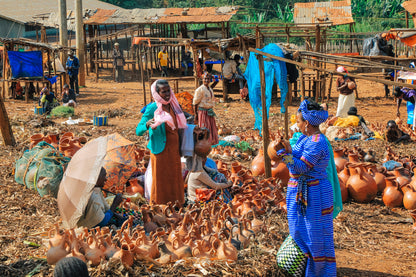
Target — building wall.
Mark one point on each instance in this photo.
(11, 29)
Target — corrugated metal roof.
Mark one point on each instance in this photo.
(163, 16)
(120, 16)
(410, 6)
(332, 13)
(24, 10)
(203, 15)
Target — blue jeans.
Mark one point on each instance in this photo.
(164, 71)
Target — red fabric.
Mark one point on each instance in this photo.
(206, 121)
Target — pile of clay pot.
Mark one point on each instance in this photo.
(67, 143)
(362, 181)
(213, 231)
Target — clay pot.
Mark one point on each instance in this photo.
(257, 165)
(235, 168)
(134, 187)
(351, 85)
(35, 139)
(409, 197)
(344, 174)
(378, 177)
(147, 246)
(93, 252)
(361, 186)
(344, 190)
(340, 161)
(56, 235)
(125, 255)
(180, 249)
(166, 256)
(280, 171)
(56, 253)
(369, 157)
(67, 135)
(392, 196)
(202, 143)
(353, 158)
(401, 177)
(226, 251)
(273, 147)
(398, 121)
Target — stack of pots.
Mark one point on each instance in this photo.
(362, 181)
(67, 143)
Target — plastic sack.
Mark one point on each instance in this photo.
(41, 169)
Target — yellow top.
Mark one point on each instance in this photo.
(350, 120)
(163, 57)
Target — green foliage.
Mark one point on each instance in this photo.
(131, 4)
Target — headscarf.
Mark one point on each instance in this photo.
(341, 69)
(161, 116)
(314, 117)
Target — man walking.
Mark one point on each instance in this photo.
(118, 63)
(72, 67)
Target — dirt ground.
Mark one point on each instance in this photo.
(370, 239)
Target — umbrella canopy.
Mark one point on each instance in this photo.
(82, 172)
(120, 163)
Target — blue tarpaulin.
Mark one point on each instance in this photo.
(272, 69)
(26, 64)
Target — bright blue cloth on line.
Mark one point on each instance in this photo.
(25, 64)
(272, 69)
(410, 112)
(313, 230)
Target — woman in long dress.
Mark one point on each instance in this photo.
(310, 194)
(163, 119)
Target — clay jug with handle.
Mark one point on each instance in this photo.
(361, 186)
(409, 197)
(392, 196)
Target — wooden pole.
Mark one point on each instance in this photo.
(6, 129)
(80, 41)
(141, 64)
(330, 86)
(4, 70)
(63, 30)
(265, 121)
(302, 84)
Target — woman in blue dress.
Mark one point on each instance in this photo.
(310, 193)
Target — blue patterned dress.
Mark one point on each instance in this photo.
(309, 210)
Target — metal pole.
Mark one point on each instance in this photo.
(80, 41)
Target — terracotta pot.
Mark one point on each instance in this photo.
(344, 174)
(180, 249)
(392, 196)
(134, 187)
(67, 135)
(409, 197)
(340, 161)
(273, 147)
(344, 190)
(361, 186)
(166, 256)
(401, 177)
(35, 139)
(235, 168)
(56, 235)
(56, 253)
(378, 177)
(257, 165)
(280, 171)
(202, 143)
(353, 158)
(93, 252)
(125, 255)
(53, 139)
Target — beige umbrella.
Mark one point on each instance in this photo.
(81, 176)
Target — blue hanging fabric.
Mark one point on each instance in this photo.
(272, 69)
(25, 64)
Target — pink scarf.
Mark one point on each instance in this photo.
(161, 116)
